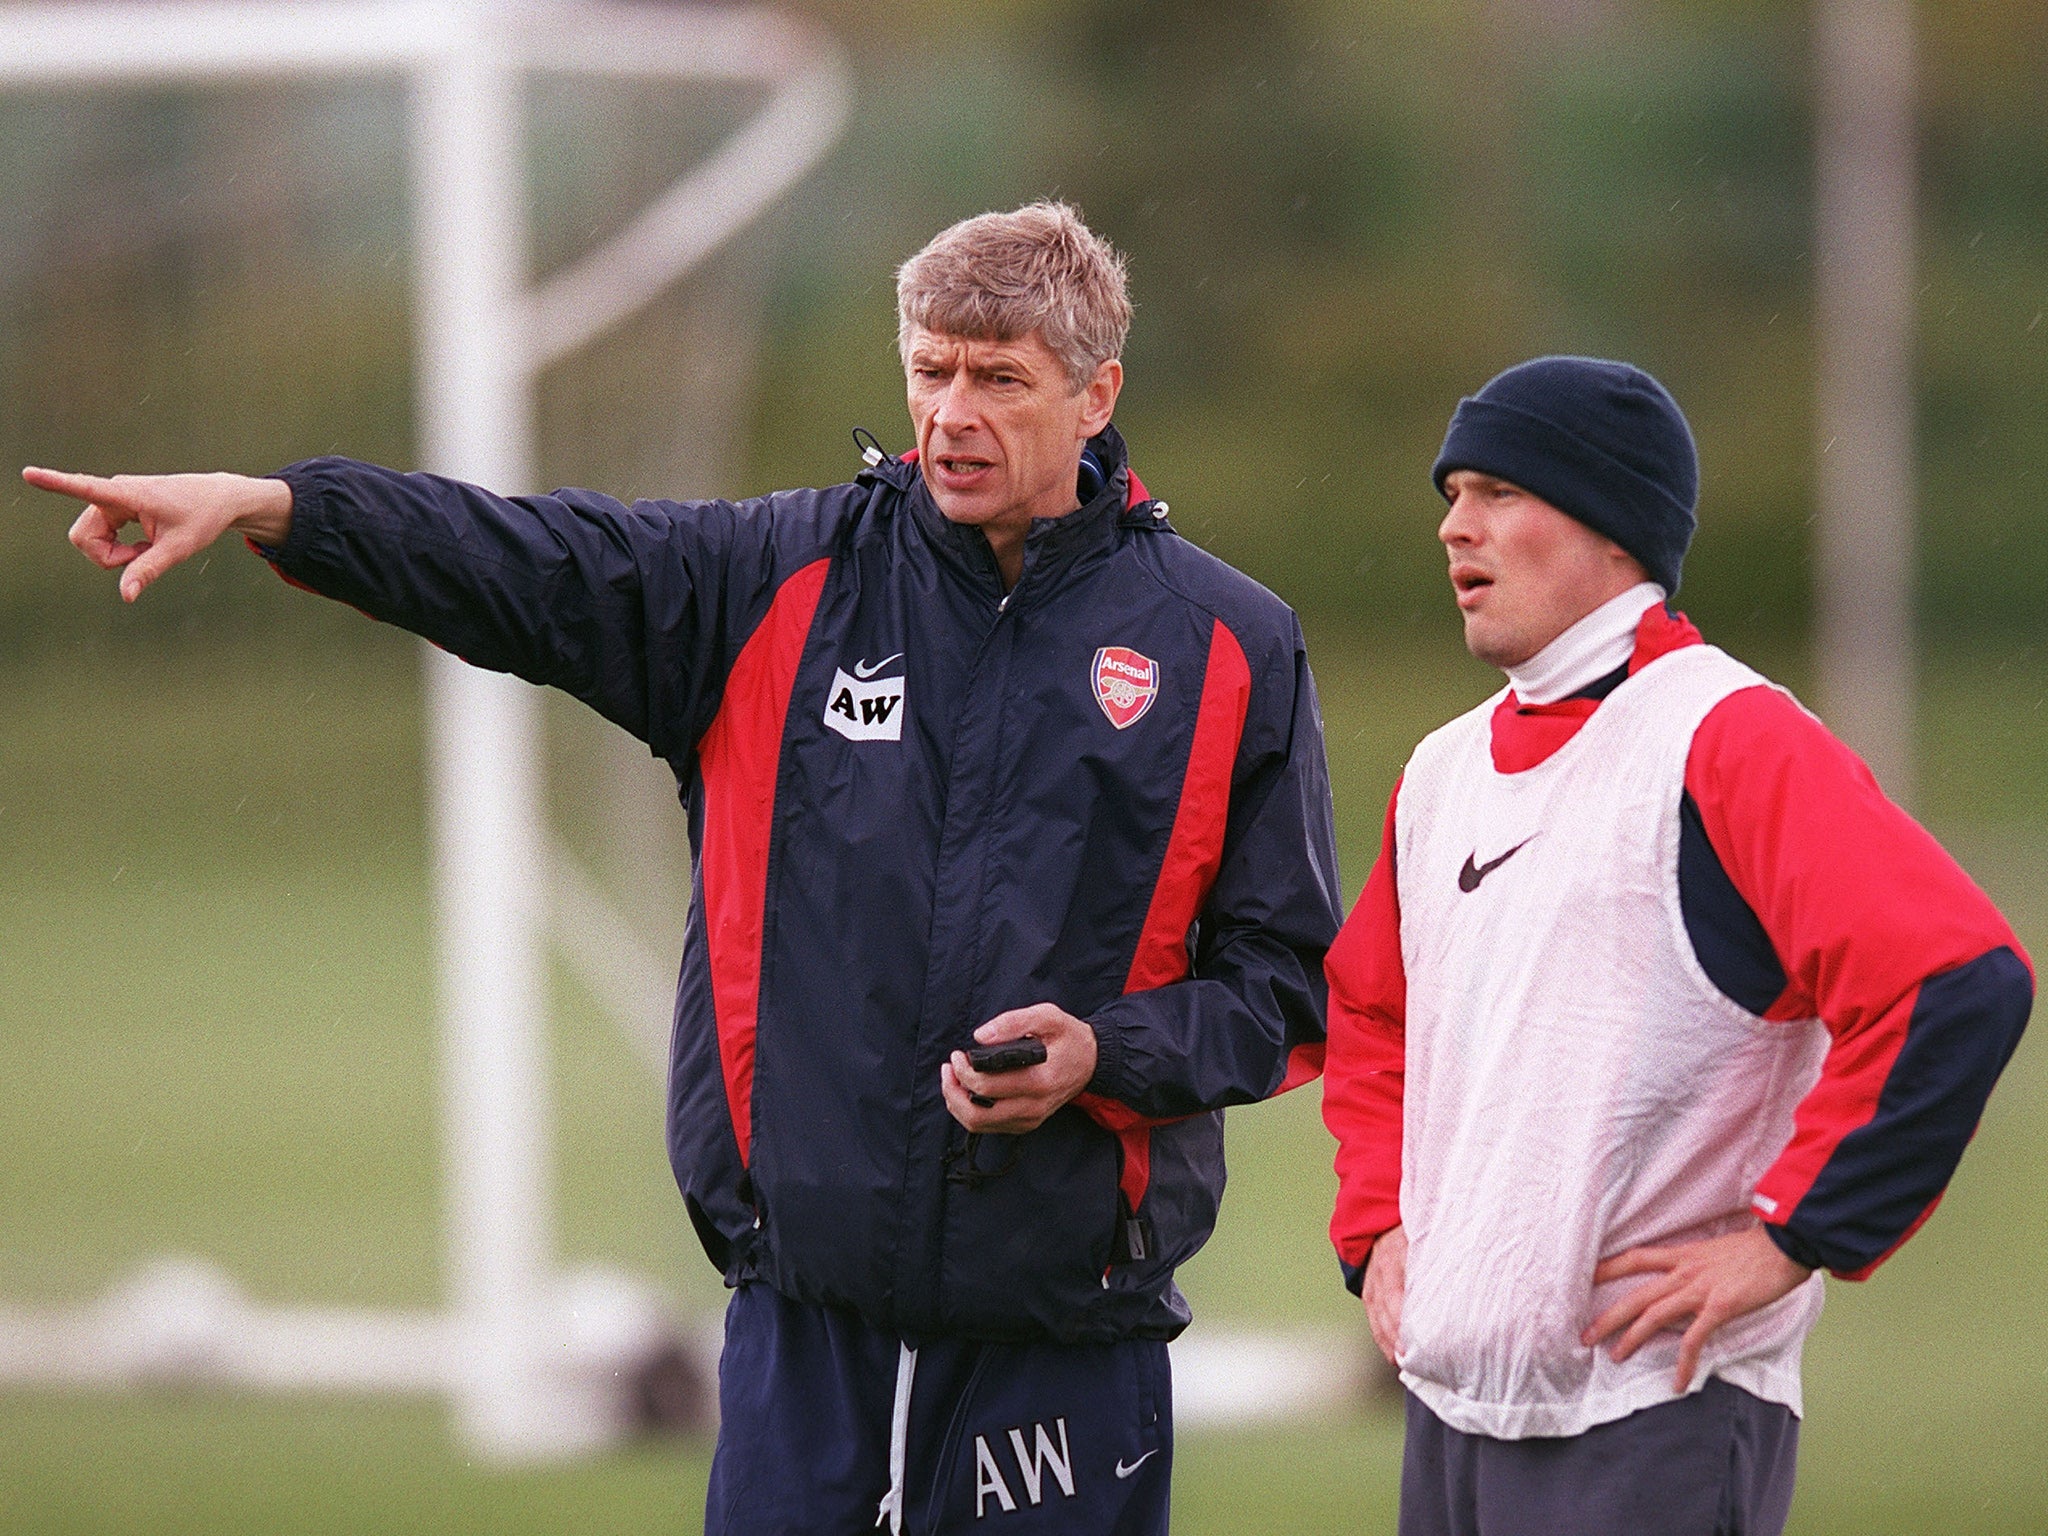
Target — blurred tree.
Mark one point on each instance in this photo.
(1341, 216)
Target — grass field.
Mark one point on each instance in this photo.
(215, 1039)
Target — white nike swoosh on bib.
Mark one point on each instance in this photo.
(863, 671)
(1123, 1471)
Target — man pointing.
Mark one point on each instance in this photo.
(976, 750)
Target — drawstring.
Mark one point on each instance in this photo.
(899, 1440)
(961, 1166)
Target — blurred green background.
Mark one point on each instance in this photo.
(215, 1010)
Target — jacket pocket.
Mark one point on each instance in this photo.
(1029, 1224)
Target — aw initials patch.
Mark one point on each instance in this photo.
(865, 710)
(1125, 684)
(1035, 1458)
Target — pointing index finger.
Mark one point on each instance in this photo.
(64, 483)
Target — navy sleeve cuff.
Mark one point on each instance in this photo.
(308, 508)
(1109, 1079)
(1795, 1247)
(1354, 1276)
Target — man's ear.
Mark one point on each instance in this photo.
(1628, 562)
(1101, 392)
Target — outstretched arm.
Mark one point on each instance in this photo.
(637, 610)
(180, 515)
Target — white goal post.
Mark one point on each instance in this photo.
(526, 1353)
(520, 1388)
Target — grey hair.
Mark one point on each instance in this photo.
(1001, 276)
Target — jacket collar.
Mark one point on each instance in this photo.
(1053, 545)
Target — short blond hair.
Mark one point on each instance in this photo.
(1001, 276)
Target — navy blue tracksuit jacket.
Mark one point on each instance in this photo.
(917, 802)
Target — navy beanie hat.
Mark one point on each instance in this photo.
(1601, 441)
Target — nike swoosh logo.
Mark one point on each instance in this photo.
(1123, 1471)
(1470, 876)
(863, 671)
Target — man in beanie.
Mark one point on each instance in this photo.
(1652, 1008)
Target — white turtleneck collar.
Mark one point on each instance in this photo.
(1593, 647)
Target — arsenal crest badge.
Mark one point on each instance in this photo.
(1125, 684)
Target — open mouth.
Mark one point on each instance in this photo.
(958, 465)
(1467, 580)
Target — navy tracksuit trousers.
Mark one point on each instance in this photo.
(1720, 1462)
(998, 1438)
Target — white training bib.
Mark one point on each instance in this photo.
(1575, 1084)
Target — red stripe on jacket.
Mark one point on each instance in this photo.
(1194, 852)
(739, 757)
